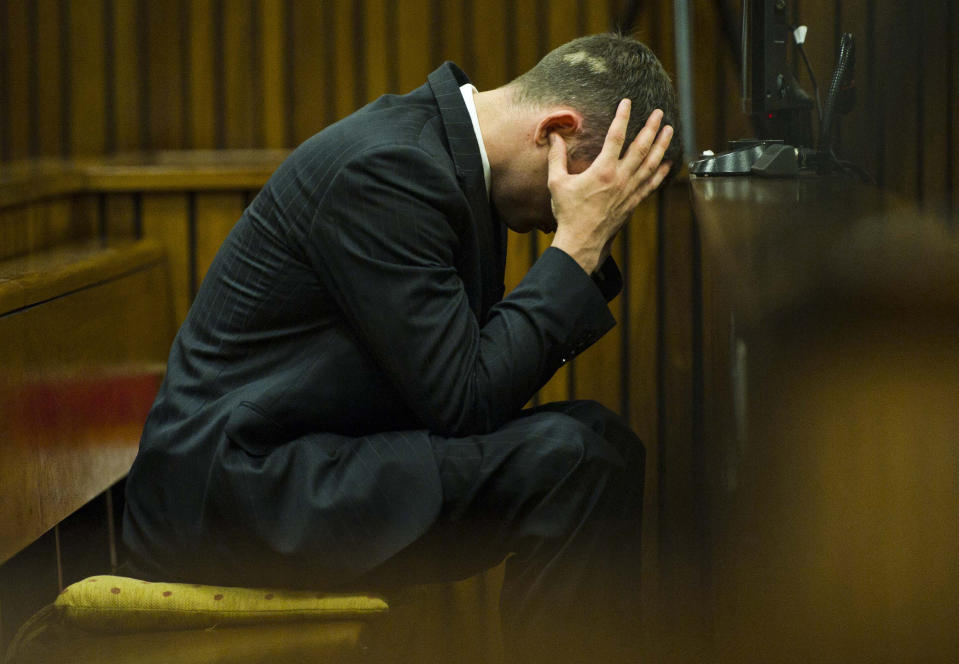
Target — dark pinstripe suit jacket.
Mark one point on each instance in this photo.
(352, 313)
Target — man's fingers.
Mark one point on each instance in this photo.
(640, 147)
(650, 185)
(616, 136)
(557, 155)
(656, 153)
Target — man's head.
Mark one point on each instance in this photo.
(591, 75)
(575, 91)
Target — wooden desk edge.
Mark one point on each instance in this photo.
(203, 170)
(39, 277)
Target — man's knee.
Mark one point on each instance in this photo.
(566, 441)
(601, 423)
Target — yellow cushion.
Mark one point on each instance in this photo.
(121, 604)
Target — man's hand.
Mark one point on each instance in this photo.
(591, 207)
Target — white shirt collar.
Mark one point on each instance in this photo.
(467, 92)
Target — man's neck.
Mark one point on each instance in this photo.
(502, 126)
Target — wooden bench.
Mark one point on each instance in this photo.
(82, 347)
(84, 331)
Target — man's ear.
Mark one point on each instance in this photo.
(564, 120)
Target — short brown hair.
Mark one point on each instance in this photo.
(591, 75)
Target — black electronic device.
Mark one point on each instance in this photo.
(780, 109)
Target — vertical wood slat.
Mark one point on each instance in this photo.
(448, 43)
(166, 217)
(164, 87)
(119, 215)
(125, 69)
(899, 116)
(47, 115)
(952, 99)
(238, 102)
(202, 116)
(491, 69)
(374, 27)
(413, 37)
(5, 123)
(87, 80)
(215, 215)
(309, 83)
(17, 71)
(932, 141)
(272, 23)
(346, 66)
(36, 226)
(527, 48)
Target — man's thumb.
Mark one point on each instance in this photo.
(557, 154)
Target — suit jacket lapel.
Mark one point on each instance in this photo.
(491, 234)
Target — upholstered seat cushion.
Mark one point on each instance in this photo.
(121, 604)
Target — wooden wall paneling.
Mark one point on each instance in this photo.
(272, 103)
(413, 35)
(87, 78)
(953, 105)
(558, 387)
(450, 22)
(716, 89)
(164, 66)
(517, 258)
(654, 23)
(709, 93)
(488, 23)
(83, 222)
(562, 22)
(599, 369)
(124, 73)
(309, 85)
(598, 17)
(119, 216)
(529, 32)
(203, 122)
(47, 127)
(18, 114)
(239, 75)
(14, 229)
(376, 47)
(46, 223)
(166, 217)
(898, 66)
(932, 142)
(215, 213)
(4, 85)
(348, 57)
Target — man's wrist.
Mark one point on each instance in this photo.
(585, 257)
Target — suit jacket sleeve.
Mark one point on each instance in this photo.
(386, 240)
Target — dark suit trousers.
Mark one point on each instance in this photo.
(559, 490)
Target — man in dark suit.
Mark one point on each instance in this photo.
(343, 403)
